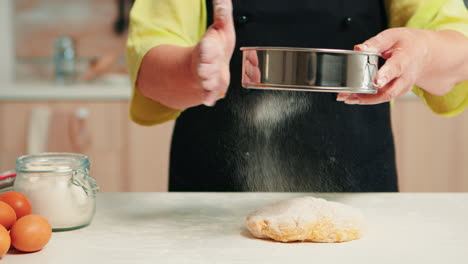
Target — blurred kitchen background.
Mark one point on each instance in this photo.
(64, 88)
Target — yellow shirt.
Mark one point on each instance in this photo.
(183, 23)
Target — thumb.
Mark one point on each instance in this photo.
(222, 10)
(380, 43)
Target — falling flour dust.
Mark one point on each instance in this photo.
(261, 165)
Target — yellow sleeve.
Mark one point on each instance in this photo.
(153, 23)
(434, 15)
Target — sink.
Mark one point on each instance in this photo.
(42, 70)
(35, 81)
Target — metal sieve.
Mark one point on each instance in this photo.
(304, 69)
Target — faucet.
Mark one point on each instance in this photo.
(64, 60)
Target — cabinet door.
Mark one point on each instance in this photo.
(97, 130)
(148, 156)
(13, 132)
(431, 150)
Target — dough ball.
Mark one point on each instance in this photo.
(306, 219)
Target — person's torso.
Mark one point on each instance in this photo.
(257, 140)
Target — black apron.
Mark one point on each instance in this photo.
(280, 141)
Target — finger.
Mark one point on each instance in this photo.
(207, 70)
(222, 14)
(206, 98)
(251, 57)
(210, 97)
(252, 78)
(252, 73)
(342, 96)
(225, 79)
(210, 84)
(219, 81)
(210, 50)
(394, 89)
(382, 42)
(393, 68)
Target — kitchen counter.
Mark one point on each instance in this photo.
(208, 228)
(51, 92)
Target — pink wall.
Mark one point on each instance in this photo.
(39, 22)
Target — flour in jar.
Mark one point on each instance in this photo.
(62, 203)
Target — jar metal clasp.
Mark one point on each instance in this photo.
(89, 186)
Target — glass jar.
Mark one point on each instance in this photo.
(59, 188)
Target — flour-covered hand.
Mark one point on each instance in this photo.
(212, 55)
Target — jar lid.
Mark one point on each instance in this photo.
(51, 162)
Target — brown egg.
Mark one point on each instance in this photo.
(18, 201)
(30, 233)
(7, 215)
(5, 241)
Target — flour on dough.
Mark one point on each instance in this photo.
(306, 219)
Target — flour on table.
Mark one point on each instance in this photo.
(306, 219)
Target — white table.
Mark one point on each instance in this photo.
(208, 228)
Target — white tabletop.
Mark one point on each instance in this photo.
(208, 228)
